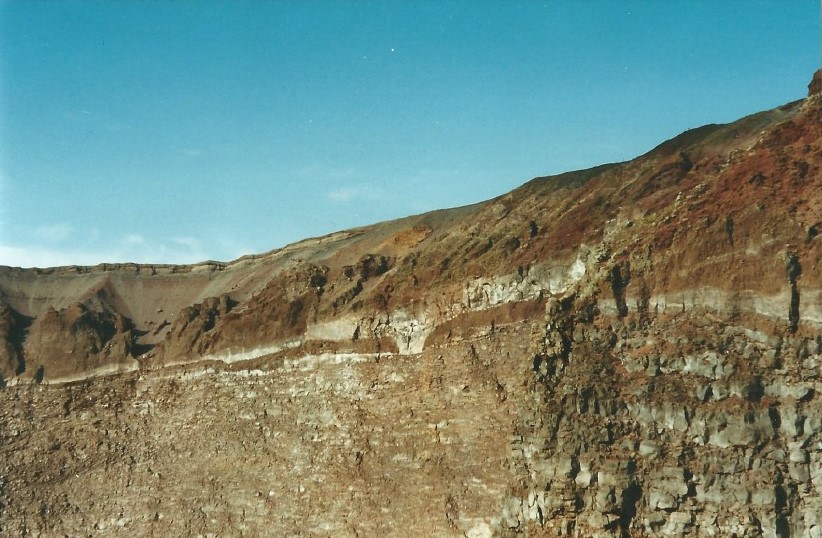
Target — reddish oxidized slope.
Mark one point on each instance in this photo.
(632, 350)
(710, 216)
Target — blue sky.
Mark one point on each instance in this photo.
(173, 132)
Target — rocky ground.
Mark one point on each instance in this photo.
(632, 350)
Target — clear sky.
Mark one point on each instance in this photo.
(178, 131)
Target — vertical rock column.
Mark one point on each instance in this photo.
(794, 271)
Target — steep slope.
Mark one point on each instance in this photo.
(631, 350)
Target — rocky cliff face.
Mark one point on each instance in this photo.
(815, 86)
(631, 350)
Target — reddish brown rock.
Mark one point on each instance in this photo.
(631, 350)
(77, 340)
(12, 327)
(816, 84)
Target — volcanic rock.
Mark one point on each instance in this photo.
(815, 86)
(630, 350)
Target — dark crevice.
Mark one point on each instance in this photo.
(729, 229)
(793, 313)
(783, 530)
(39, 374)
(295, 308)
(755, 390)
(630, 498)
(620, 278)
(776, 419)
(794, 271)
(813, 231)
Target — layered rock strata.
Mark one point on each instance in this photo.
(631, 350)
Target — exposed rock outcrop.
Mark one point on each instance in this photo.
(631, 350)
(815, 87)
(76, 341)
(12, 328)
